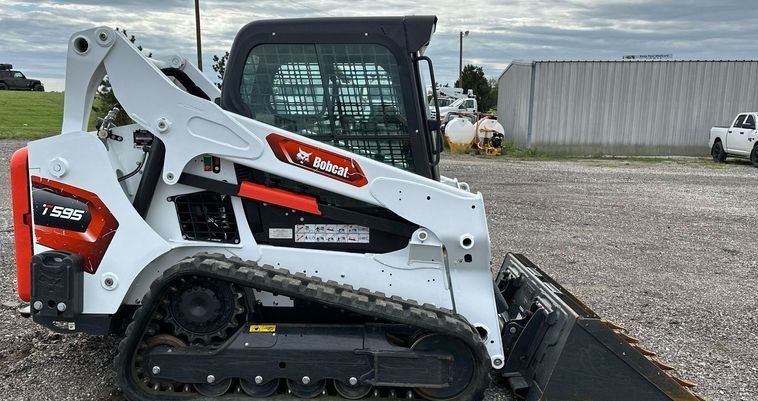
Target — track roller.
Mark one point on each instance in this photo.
(216, 389)
(352, 391)
(306, 388)
(257, 388)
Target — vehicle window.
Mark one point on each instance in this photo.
(740, 119)
(469, 104)
(18, 75)
(298, 90)
(347, 95)
(749, 122)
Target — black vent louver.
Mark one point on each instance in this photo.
(207, 216)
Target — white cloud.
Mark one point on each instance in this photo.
(35, 33)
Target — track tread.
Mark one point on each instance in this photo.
(296, 285)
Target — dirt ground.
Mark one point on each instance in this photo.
(665, 248)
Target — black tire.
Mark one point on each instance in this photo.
(3, 87)
(718, 153)
(754, 156)
(38, 88)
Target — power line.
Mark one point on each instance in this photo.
(308, 7)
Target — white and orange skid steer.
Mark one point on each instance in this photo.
(290, 236)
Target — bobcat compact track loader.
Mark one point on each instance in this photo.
(290, 236)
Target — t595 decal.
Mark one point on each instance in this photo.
(71, 219)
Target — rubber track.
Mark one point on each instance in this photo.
(299, 286)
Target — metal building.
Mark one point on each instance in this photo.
(623, 107)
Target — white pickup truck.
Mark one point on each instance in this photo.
(739, 139)
(467, 105)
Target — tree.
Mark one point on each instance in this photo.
(473, 78)
(491, 101)
(219, 65)
(105, 99)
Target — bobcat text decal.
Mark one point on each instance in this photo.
(318, 160)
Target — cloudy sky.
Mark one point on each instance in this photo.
(34, 34)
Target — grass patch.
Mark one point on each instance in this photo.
(513, 152)
(31, 115)
(509, 149)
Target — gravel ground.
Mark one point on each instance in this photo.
(662, 248)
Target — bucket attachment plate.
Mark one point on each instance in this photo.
(560, 350)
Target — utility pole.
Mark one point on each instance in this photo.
(460, 58)
(197, 36)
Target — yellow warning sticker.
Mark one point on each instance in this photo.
(262, 328)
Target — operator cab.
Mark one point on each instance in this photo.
(353, 83)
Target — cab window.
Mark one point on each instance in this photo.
(749, 122)
(346, 95)
(739, 121)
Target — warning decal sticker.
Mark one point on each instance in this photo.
(336, 233)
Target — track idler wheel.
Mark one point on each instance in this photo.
(352, 391)
(306, 388)
(262, 390)
(464, 365)
(140, 371)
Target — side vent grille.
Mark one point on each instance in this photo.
(207, 216)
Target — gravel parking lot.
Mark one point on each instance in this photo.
(665, 248)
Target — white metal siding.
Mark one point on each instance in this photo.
(632, 107)
(513, 102)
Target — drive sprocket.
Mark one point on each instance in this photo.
(202, 310)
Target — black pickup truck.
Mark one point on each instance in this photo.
(11, 79)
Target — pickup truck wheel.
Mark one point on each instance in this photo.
(754, 156)
(718, 153)
(38, 88)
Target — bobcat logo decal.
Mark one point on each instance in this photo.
(303, 156)
(318, 160)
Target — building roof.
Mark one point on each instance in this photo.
(646, 61)
(531, 62)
